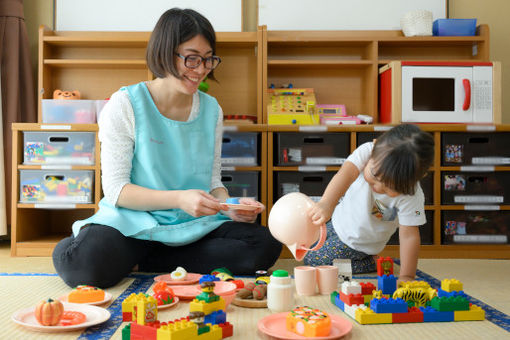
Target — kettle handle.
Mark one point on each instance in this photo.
(322, 239)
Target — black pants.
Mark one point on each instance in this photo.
(101, 256)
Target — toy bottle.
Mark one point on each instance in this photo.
(280, 292)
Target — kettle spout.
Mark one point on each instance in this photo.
(297, 251)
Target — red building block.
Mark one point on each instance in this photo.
(227, 329)
(352, 299)
(367, 288)
(413, 315)
(384, 266)
(147, 332)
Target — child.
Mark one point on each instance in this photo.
(160, 162)
(379, 183)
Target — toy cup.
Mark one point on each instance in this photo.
(327, 279)
(305, 278)
(289, 223)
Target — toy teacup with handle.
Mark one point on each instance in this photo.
(289, 223)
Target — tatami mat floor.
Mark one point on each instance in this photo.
(484, 280)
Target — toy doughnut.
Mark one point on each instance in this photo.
(70, 318)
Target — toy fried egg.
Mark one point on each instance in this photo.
(179, 274)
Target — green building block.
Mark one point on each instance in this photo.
(333, 296)
(126, 332)
(450, 304)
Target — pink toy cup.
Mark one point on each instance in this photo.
(305, 278)
(327, 279)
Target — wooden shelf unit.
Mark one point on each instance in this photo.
(341, 66)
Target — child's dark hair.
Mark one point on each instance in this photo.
(173, 28)
(402, 156)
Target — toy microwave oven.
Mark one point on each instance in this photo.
(440, 92)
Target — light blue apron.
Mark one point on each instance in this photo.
(168, 155)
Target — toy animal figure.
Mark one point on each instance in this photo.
(59, 94)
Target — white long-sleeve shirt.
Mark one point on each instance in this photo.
(117, 137)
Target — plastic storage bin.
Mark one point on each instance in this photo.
(475, 187)
(312, 184)
(241, 183)
(70, 148)
(56, 186)
(463, 226)
(239, 148)
(454, 27)
(70, 111)
(460, 148)
(312, 148)
(426, 231)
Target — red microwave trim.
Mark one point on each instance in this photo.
(446, 63)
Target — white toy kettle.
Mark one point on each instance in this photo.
(289, 223)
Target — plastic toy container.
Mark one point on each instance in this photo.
(239, 148)
(460, 187)
(312, 148)
(454, 27)
(460, 148)
(70, 148)
(462, 226)
(56, 186)
(69, 111)
(426, 231)
(241, 183)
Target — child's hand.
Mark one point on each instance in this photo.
(320, 213)
(199, 203)
(249, 216)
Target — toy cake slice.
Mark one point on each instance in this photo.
(86, 294)
(308, 322)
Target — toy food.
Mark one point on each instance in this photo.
(179, 274)
(70, 318)
(163, 294)
(86, 294)
(308, 322)
(59, 94)
(49, 312)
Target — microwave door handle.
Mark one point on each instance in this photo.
(467, 94)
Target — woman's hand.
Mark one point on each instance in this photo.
(320, 213)
(199, 203)
(249, 216)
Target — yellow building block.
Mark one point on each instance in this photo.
(178, 330)
(473, 314)
(206, 307)
(128, 305)
(368, 316)
(450, 285)
(367, 298)
(215, 333)
(146, 309)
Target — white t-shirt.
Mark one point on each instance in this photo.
(365, 220)
(117, 137)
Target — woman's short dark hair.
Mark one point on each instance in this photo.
(402, 156)
(173, 28)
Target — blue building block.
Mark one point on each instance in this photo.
(208, 278)
(387, 283)
(443, 293)
(216, 318)
(432, 315)
(388, 305)
(339, 303)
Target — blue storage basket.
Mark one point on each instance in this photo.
(454, 27)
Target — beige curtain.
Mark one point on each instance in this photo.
(17, 84)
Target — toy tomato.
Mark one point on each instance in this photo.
(49, 312)
(162, 286)
(164, 297)
(70, 318)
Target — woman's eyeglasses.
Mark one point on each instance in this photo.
(194, 61)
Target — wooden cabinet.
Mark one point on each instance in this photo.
(341, 66)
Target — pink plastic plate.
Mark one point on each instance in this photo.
(222, 288)
(275, 325)
(191, 278)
